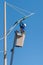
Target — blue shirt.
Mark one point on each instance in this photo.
(22, 26)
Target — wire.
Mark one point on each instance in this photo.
(16, 9)
(16, 23)
(20, 10)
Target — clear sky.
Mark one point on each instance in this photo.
(32, 51)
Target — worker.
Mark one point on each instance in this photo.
(22, 27)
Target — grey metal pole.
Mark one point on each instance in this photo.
(5, 46)
(12, 50)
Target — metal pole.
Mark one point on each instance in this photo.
(5, 46)
(12, 50)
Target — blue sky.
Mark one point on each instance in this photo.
(32, 51)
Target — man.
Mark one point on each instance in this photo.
(22, 27)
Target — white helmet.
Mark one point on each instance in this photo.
(24, 24)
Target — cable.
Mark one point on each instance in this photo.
(16, 23)
(16, 9)
(20, 10)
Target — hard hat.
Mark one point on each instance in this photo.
(24, 24)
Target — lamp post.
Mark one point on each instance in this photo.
(5, 42)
